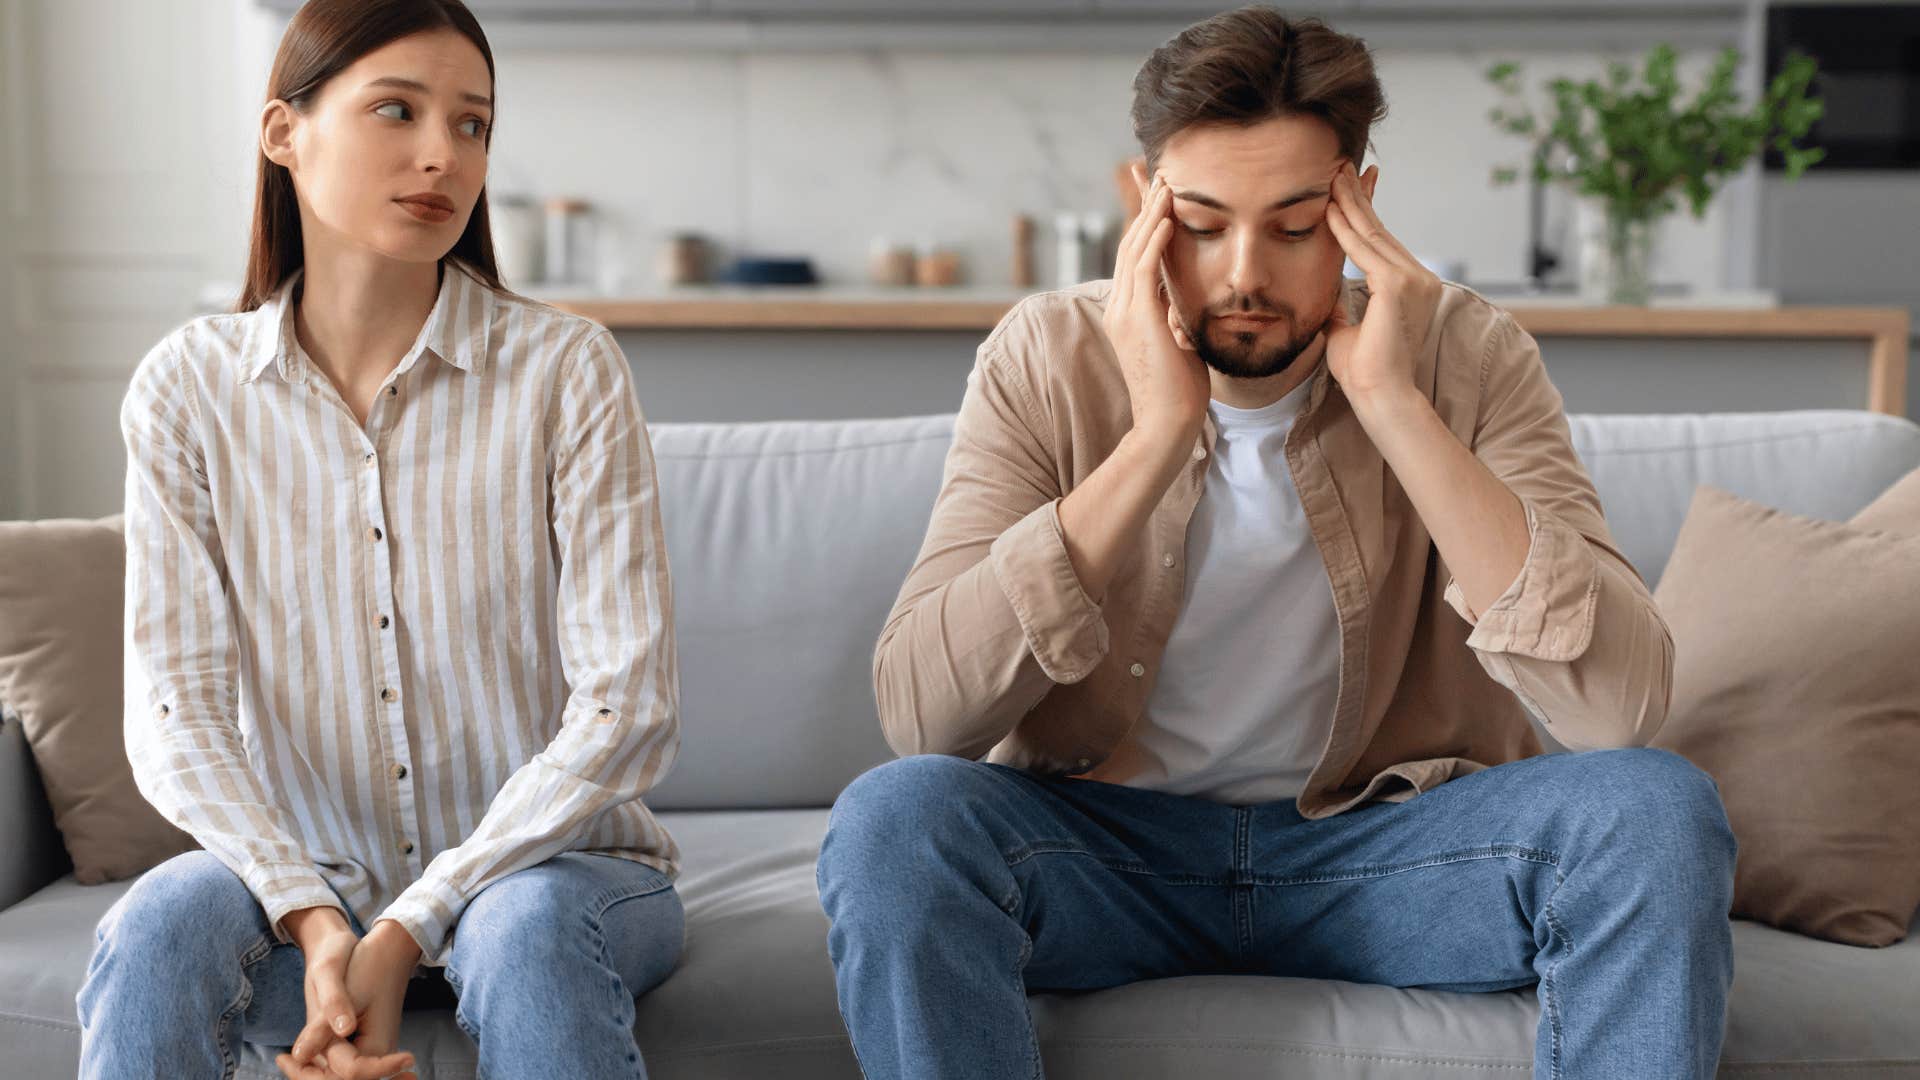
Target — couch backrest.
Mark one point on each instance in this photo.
(789, 541)
(1820, 463)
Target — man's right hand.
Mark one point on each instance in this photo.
(1102, 518)
(1166, 380)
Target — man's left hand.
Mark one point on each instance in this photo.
(1375, 359)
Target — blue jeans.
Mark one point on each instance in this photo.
(545, 966)
(955, 887)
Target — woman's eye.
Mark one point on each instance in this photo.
(1199, 232)
(1293, 235)
(399, 111)
(474, 126)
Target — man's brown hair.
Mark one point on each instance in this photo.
(1248, 66)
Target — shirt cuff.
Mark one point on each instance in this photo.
(284, 888)
(1063, 626)
(1547, 613)
(427, 914)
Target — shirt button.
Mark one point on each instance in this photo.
(1166, 561)
(388, 693)
(1199, 453)
(164, 710)
(383, 622)
(399, 772)
(393, 391)
(374, 534)
(1138, 670)
(406, 847)
(1082, 763)
(369, 458)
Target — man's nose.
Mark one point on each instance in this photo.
(1248, 274)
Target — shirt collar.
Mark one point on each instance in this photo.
(456, 330)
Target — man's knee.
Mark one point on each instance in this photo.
(895, 818)
(1663, 811)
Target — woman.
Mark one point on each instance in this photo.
(396, 583)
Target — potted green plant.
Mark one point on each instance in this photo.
(1632, 147)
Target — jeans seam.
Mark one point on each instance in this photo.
(1243, 881)
(459, 1009)
(595, 928)
(1360, 873)
(611, 897)
(251, 955)
(1549, 993)
(1020, 988)
(1022, 854)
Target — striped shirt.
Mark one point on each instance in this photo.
(398, 662)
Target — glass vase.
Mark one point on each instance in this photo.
(1616, 265)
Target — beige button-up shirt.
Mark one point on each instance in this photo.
(404, 660)
(993, 649)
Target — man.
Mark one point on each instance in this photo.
(1220, 653)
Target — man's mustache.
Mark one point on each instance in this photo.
(1249, 304)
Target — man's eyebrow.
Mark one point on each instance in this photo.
(1215, 204)
(421, 88)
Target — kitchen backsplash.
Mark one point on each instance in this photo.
(817, 154)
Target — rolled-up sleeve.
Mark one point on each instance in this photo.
(992, 614)
(1576, 637)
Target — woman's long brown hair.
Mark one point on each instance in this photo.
(324, 38)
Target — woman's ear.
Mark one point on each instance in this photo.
(1369, 180)
(276, 133)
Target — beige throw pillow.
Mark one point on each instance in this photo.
(1797, 687)
(61, 607)
(1897, 510)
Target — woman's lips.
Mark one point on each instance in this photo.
(427, 212)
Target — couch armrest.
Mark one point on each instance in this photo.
(31, 854)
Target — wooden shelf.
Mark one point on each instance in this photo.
(789, 310)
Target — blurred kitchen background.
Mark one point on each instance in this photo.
(644, 144)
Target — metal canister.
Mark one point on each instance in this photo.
(569, 241)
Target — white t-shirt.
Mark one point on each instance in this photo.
(1245, 696)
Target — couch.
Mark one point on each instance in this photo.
(788, 541)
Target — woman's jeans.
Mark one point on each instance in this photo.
(954, 887)
(545, 965)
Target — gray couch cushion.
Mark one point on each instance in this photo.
(754, 997)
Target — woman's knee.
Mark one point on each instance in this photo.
(181, 907)
(557, 915)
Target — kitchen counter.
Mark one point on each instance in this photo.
(1883, 330)
(794, 307)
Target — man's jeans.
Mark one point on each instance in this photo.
(954, 887)
(545, 964)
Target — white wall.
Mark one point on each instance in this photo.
(128, 188)
(816, 153)
(128, 131)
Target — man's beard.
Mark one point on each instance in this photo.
(1242, 357)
